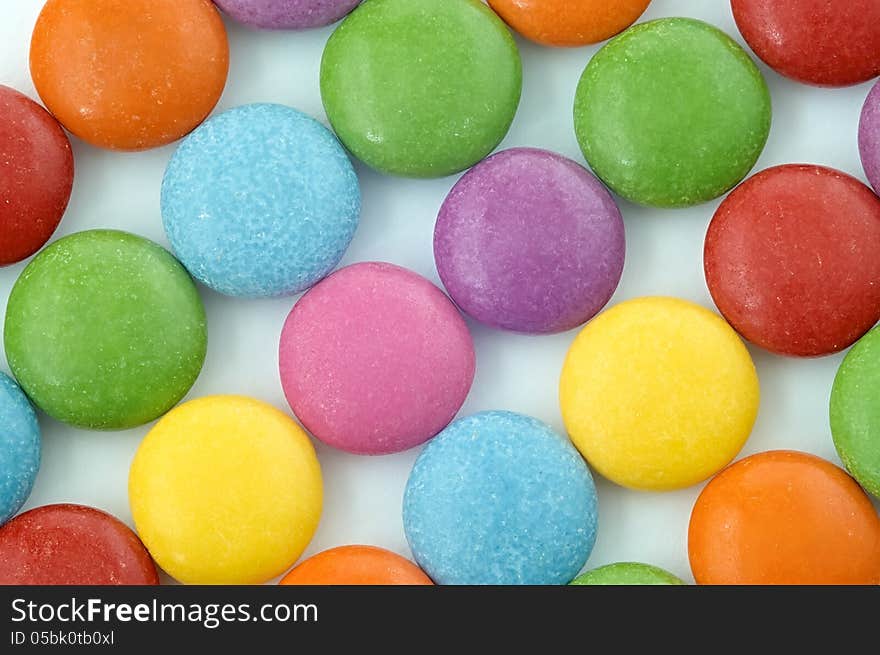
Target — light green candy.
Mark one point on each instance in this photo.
(627, 573)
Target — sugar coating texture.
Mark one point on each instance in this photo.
(19, 448)
(627, 573)
(672, 113)
(500, 498)
(105, 330)
(421, 88)
(869, 137)
(530, 241)
(375, 359)
(260, 201)
(287, 14)
(855, 411)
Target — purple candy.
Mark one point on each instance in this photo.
(287, 14)
(529, 241)
(869, 137)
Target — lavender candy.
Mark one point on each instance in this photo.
(869, 137)
(286, 14)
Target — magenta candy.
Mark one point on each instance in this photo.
(869, 137)
(286, 14)
(375, 359)
(530, 241)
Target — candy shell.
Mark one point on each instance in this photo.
(500, 498)
(375, 359)
(356, 565)
(529, 241)
(790, 260)
(72, 545)
(260, 201)
(821, 42)
(421, 88)
(36, 175)
(129, 74)
(787, 518)
(19, 448)
(105, 330)
(658, 393)
(569, 22)
(672, 113)
(869, 137)
(286, 14)
(225, 490)
(627, 573)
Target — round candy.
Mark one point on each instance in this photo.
(672, 113)
(36, 175)
(500, 498)
(260, 201)
(129, 74)
(72, 545)
(529, 241)
(790, 260)
(855, 411)
(356, 565)
(658, 393)
(421, 88)
(822, 42)
(105, 330)
(787, 518)
(287, 14)
(375, 359)
(225, 490)
(19, 448)
(569, 22)
(869, 137)
(627, 573)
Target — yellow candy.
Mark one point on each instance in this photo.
(225, 490)
(658, 393)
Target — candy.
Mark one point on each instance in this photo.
(814, 41)
(658, 393)
(19, 448)
(421, 88)
(569, 22)
(260, 201)
(72, 545)
(36, 176)
(105, 330)
(627, 573)
(529, 241)
(790, 260)
(225, 490)
(784, 517)
(869, 137)
(375, 359)
(672, 113)
(356, 565)
(129, 74)
(287, 14)
(500, 498)
(855, 411)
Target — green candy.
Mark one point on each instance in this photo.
(627, 573)
(855, 411)
(672, 113)
(105, 330)
(421, 88)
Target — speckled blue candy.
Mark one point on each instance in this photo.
(500, 498)
(19, 448)
(260, 201)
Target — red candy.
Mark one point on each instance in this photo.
(36, 175)
(791, 260)
(822, 42)
(72, 545)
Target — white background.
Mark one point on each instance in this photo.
(520, 373)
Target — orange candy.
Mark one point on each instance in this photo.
(569, 22)
(784, 517)
(356, 565)
(129, 74)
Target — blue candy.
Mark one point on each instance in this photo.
(500, 498)
(260, 201)
(19, 448)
